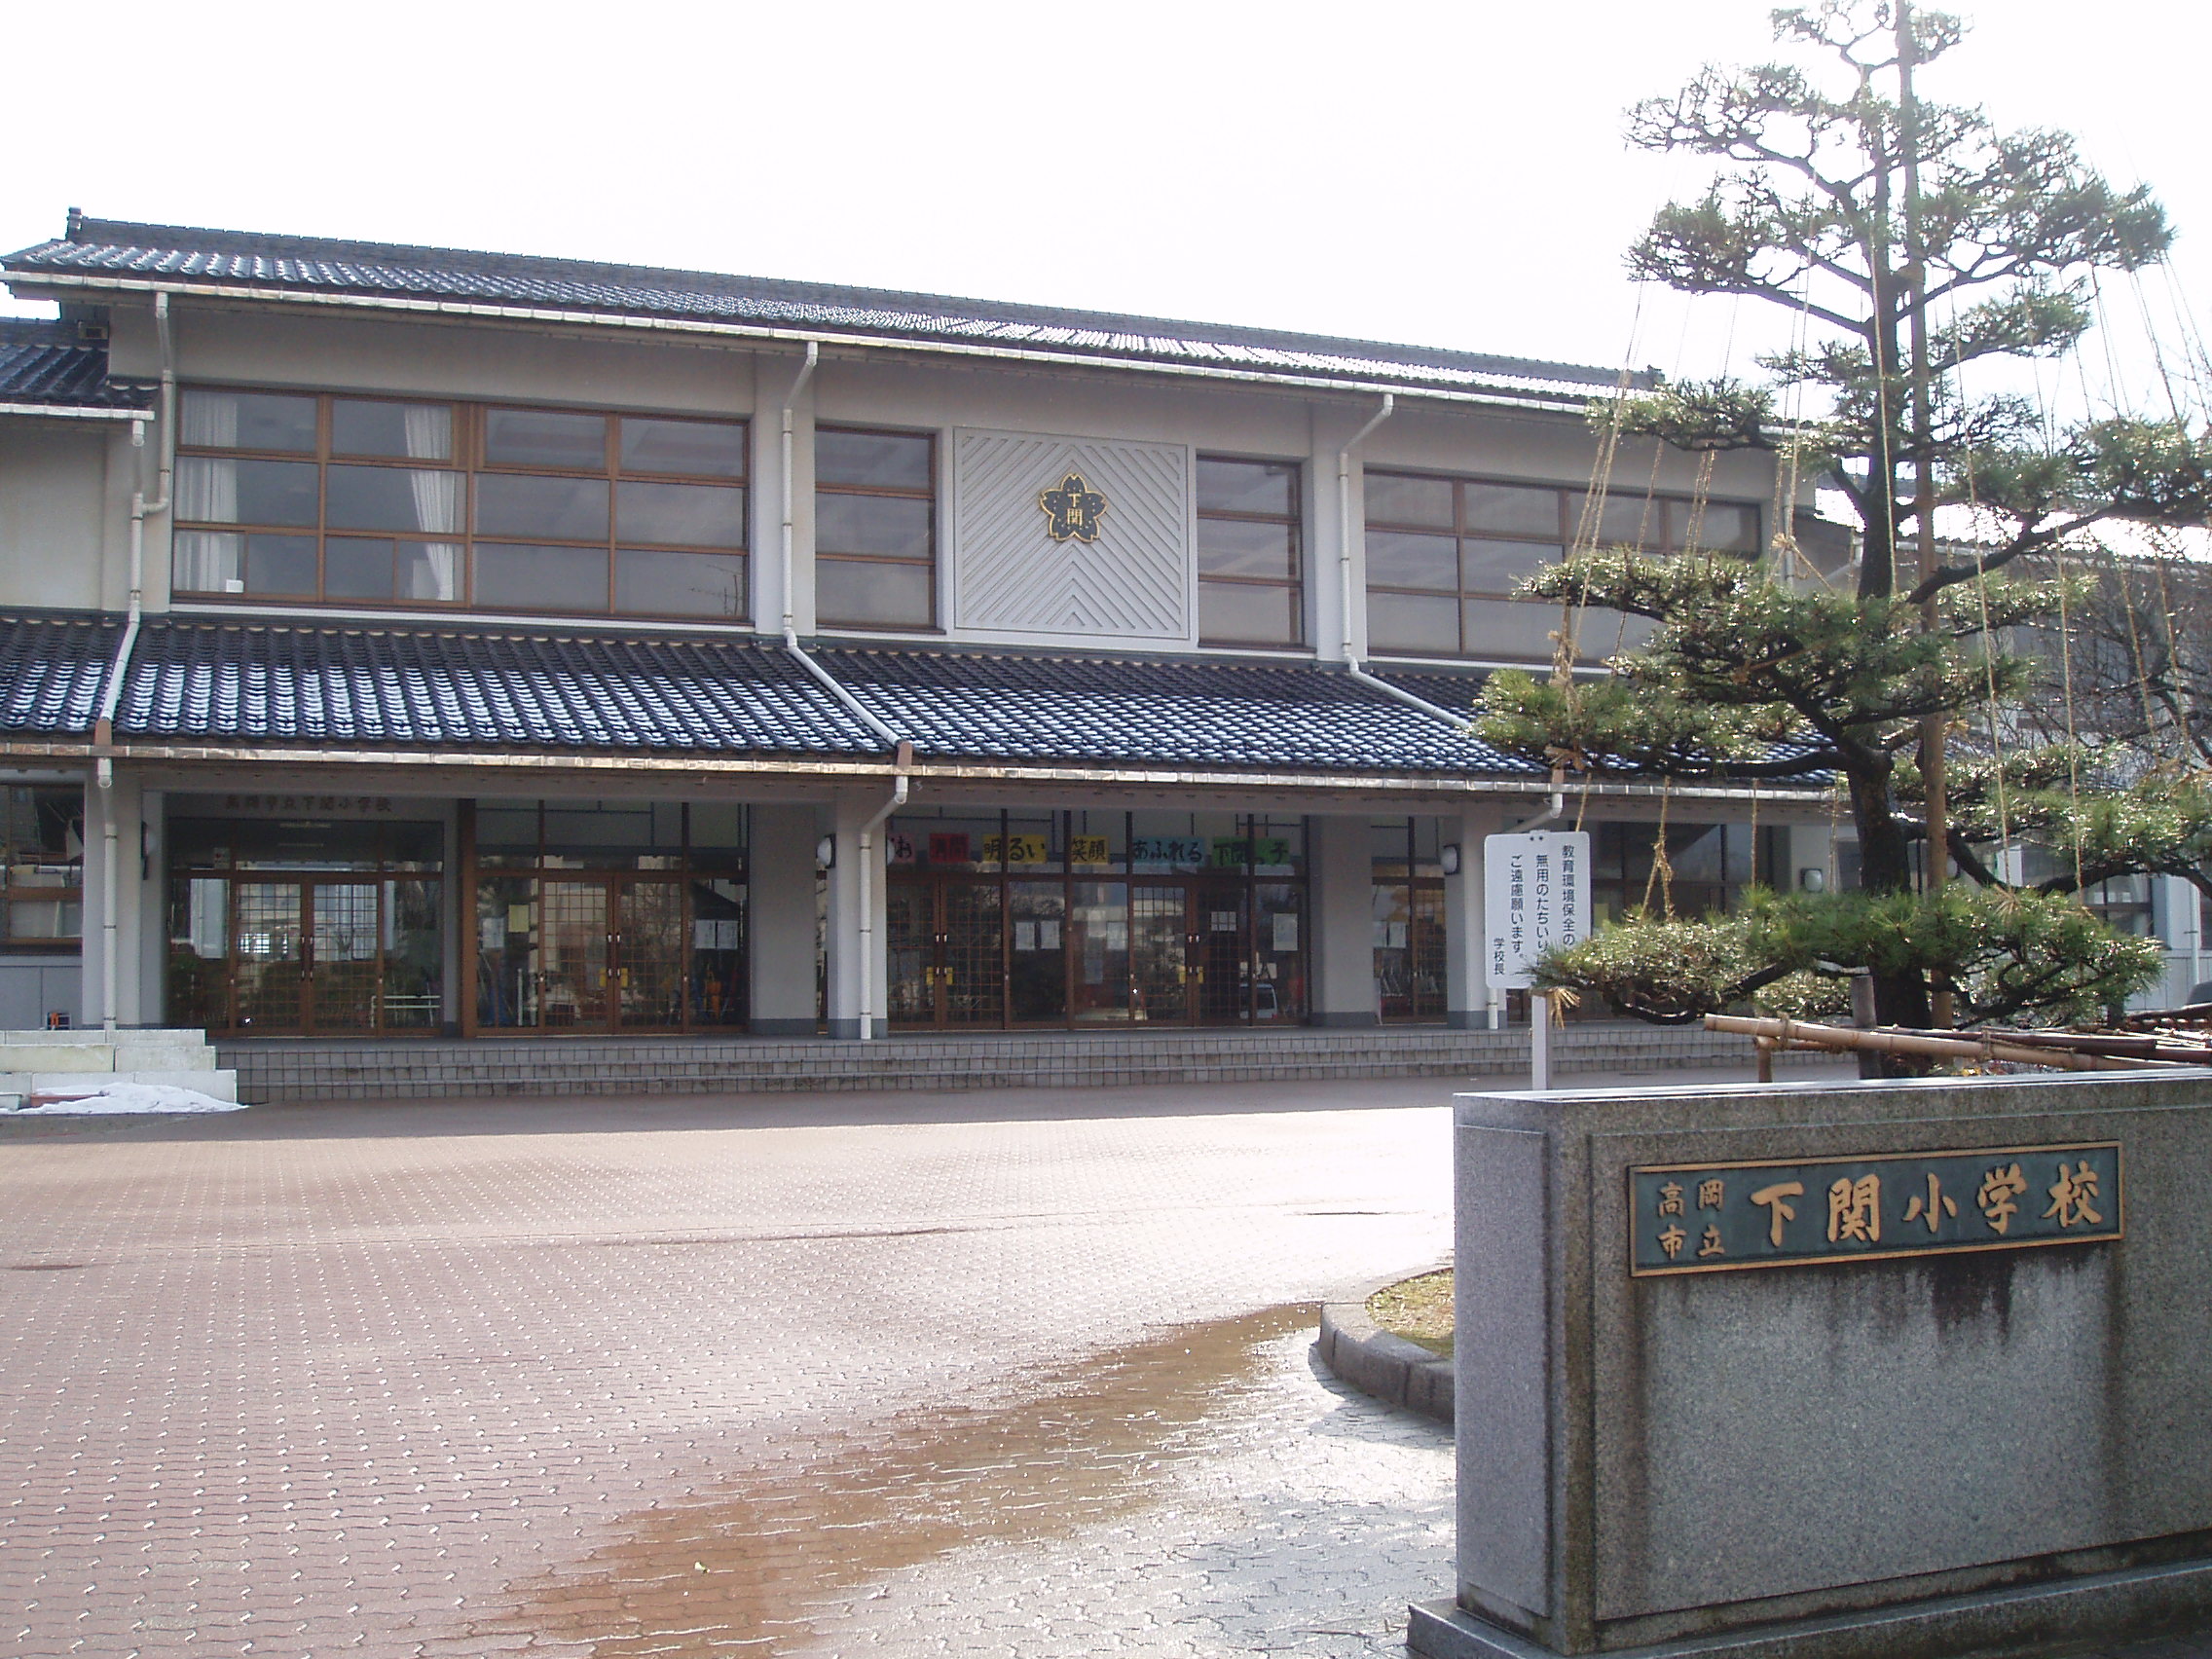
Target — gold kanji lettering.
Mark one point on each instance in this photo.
(1671, 1239)
(1855, 1211)
(1670, 1198)
(1709, 1244)
(1932, 1208)
(1998, 1188)
(2072, 1194)
(1778, 1212)
(1710, 1194)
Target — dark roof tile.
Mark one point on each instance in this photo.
(183, 254)
(46, 363)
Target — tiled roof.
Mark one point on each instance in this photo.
(256, 681)
(242, 681)
(116, 249)
(50, 672)
(1134, 711)
(47, 363)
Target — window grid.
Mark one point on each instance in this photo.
(1485, 573)
(1226, 615)
(896, 610)
(306, 557)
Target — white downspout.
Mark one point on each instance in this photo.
(790, 397)
(867, 842)
(900, 747)
(1344, 524)
(111, 696)
(1347, 588)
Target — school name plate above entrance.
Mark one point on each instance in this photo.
(1692, 1218)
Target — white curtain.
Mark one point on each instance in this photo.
(206, 560)
(433, 573)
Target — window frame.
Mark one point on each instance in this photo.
(1293, 521)
(1671, 510)
(56, 943)
(468, 461)
(893, 492)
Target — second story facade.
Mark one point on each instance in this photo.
(414, 434)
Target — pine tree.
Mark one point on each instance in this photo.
(1911, 240)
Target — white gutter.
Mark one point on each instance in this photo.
(1554, 402)
(103, 725)
(901, 750)
(790, 397)
(71, 412)
(866, 844)
(1346, 589)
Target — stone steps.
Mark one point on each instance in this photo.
(276, 1069)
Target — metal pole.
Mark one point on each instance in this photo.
(1540, 1040)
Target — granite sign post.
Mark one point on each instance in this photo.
(1897, 1369)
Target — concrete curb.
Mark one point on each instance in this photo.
(1393, 1370)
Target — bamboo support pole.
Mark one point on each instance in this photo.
(1798, 1033)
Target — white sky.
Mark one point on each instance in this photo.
(1446, 174)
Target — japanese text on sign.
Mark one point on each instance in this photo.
(1536, 897)
(1698, 1218)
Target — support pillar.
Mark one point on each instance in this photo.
(1342, 903)
(778, 898)
(1469, 1004)
(846, 967)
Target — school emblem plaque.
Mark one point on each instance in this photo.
(1071, 511)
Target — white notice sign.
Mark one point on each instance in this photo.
(1535, 897)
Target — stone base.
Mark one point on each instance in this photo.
(2174, 1599)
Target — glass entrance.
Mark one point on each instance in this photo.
(306, 956)
(589, 953)
(946, 952)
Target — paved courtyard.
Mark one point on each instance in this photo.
(976, 1374)
(979, 1374)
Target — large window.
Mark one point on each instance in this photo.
(874, 528)
(350, 500)
(1445, 555)
(44, 850)
(1251, 586)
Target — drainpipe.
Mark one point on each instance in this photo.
(1345, 583)
(111, 696)
(867, 838)
(1343, 523)
(901, 750)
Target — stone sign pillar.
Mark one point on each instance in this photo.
(1897, 1369)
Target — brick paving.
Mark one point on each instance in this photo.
(992, 1375)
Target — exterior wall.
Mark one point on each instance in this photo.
(64, 513)
(1125, 415)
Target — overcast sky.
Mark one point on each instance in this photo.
(1442, 174)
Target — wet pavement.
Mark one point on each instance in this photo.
(1016, 1373)
(907, 1375)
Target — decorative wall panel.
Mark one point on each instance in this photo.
(1132, 581)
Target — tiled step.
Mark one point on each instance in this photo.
(295, 1072)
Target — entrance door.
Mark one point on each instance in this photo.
(648, 955)
(569, 989)
(946, 945)
(307, 955)
(1159, 953)
(1219, 963)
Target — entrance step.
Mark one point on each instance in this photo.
(66, 1063)
(272, 1070)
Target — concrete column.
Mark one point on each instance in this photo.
(1468, 994)
(846, 968)
(779, 923)
(124, 802)
(1341, 895)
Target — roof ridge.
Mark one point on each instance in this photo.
(88, 232)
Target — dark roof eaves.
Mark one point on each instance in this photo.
(1376, 359)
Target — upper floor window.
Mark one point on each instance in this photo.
(1445, 555)
(874, 528)
(322, 498)
(1251, 581)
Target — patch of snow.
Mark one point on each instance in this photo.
(117, 1097)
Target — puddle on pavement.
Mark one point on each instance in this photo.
(744, 1569)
